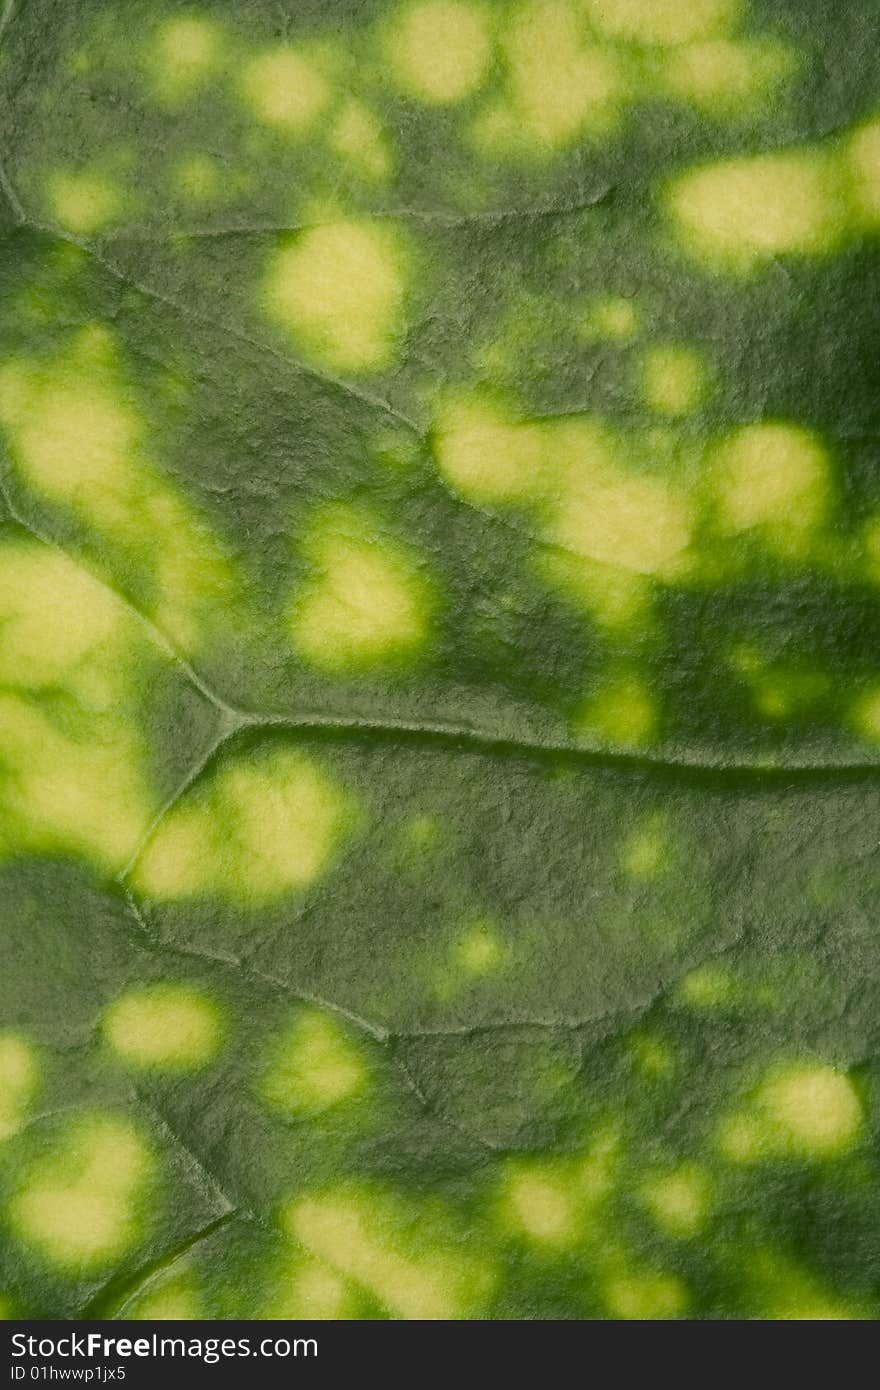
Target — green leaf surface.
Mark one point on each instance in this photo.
(439, 676)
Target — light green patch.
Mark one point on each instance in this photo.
(488, 455)
(774, 477)
(865, 716)
(663, 22)
(798, 1111)
(314, 1066)
(253, 832)
(646, 1297)
(176, 1301)
(779, 690)
(166, 1026)
(561, 85)
(198, 178)
(79, 442)
(186, 52)
(479, 950)
(85, 201)
(368, 1238)
(439, 51)
(678, 1201)
(285, 89)
(77, 1205)
(340, 290)
(617, 599)
(786, 1290)
(645, 854)
(726, 77)
(539, 1204)
(623, 713)
(357, 137)
(309, 1288)
(615, 317)
(863, 163)
(737, 213)
(367, 601)
(673, 379)
(631, 521)
(19, 1077)
(707, 987)
(652, 1056)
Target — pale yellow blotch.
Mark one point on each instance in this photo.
(314, 1066)
(865, 716)
(78, 1205)
(863, 160)
(678, 1201)
(798, 1111)
(775, 477)
(646, 1297)
(725, 77)
(198, 178)
(540, 1206)
(488, 455)
(56, 621)
(559, 82)
(740, 212)
(616, 598)
(357, 136)
(439, 51)
(165, 1026)
(707, 987)
(359, 1235)
(631, 521)
(673, 379)
(186, 52)
(308, 1288)
(285, 89)
(645, 853)
(624, 713)
(664, 22)
(19, 1074)
(367, 601)
(615, 317)
(177, 1301)
(340, 290)
(84, 201)
(258, 831)
(478, 951)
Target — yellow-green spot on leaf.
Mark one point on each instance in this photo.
(652, 1056)
(439, 51)
(366, 1237)
(773, 477)
(165, 1026)
(736, 213)
(646, 1297)
(314, 1065)
(725, 77)
(367, 600)
(560, 83)
(487, 454)
(623, 713)
(863, 162)
(673, 379)
(357, 136)
(539, 1204)
(285, 89)
(19, 1075)
(307, 1288)
(340, 290)
(175, 1301)
(186, 52)
(84, 201)
(645, 853)
(663, 22)
(800, 1110)
(631, 521)
(478, 951)
(785, 1290)
(255, 831)
(615, 317)
(707, 987)
(865, 715)
(77, 1205)
(198, 178)
(678, 1201)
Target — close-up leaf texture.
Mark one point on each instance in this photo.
(440, 659)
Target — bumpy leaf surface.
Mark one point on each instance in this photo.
(439, 675)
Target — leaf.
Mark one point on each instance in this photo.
(439, 694)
